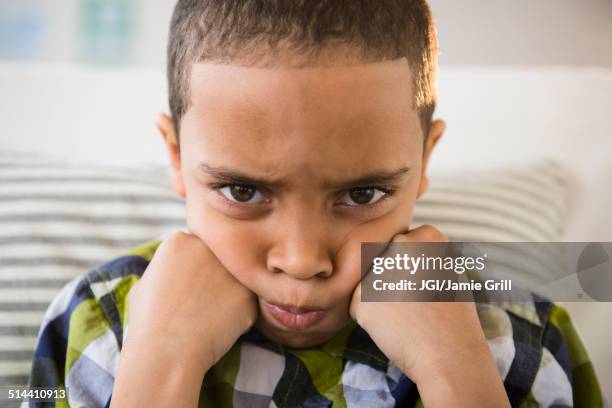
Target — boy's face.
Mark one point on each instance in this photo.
(283, 167)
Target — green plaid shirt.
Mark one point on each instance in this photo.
(538, 354)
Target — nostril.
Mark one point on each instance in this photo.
(322, 274)
(300, 267)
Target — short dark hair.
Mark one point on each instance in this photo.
(254, 32)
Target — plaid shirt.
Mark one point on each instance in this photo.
(538, 354)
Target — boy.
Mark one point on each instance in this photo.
(299, 130)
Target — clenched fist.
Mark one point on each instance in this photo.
(184, 314)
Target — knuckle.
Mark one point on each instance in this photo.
(400, 238)
(180, 241)
(177, 238)
(431, 234)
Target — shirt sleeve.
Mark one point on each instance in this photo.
(585, 387)
(565, 376)
(539, 355)
(80, 338)
(76, 350)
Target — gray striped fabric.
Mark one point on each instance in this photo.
(57, 221)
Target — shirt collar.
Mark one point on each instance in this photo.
(351, 343)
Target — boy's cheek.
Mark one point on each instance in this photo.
(347, 271)
(235, 246)
(383, 229)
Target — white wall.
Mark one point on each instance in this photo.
(525, 32)
(472, 32)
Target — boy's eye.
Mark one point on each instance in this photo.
(242, 194)
(363, 196)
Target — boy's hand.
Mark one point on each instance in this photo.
(440, 346)
(187, 297)
(185, 313)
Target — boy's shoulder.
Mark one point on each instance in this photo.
(83, 328)
(131, 264)
(112, 277)
(112, 280)
(539, 354)
(103, 290)
(107, 278)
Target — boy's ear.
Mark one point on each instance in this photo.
(436, 130)
(166, 130)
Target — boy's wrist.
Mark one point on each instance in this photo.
(467, 378)
(192, 357)
(466, 390)
(152, 373)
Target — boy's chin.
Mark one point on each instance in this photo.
(293, 339)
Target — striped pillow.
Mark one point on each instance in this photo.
(527, 204)
(58, 220)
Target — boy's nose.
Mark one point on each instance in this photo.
(301, 254)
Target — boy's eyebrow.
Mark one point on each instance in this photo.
(233, 176)
(377, 177)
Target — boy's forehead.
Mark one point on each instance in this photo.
(212, 79)
(378, 90)
(326, 113)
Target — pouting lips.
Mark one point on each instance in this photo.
(293, 317)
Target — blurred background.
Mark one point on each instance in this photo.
(472, 32)
(520, 81)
